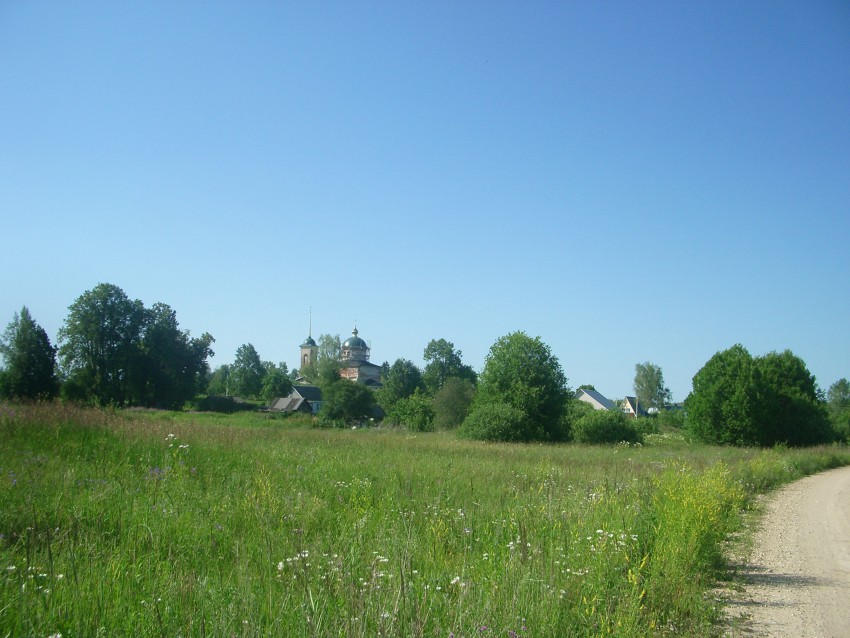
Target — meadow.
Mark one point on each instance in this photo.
(125, 523)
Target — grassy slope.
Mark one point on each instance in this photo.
(160, 524)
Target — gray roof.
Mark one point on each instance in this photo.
(597, 398)
(309, 392)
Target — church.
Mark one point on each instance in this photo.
(354, 359)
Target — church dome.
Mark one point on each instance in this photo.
(354, 341)
(309, 341)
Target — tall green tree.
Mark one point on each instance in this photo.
(100, 345)
(838, 404)
(276, 381)
(219, 383)
(246, 373)
(176, 366)
(522, 373)
(442, 362)
(400, 382)
(329, 358)
(649, 386)
(29, 370)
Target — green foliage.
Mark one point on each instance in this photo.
(219, 381)
(328, 362)
(739, 400)
(522, 372)
(444, 362)
(101, 345)
(30, 360)
(413, 412)
(246, 373)
(649, 386)
(345, 402)
(605, 426)
(276, 383)
(214, 403)
(838, 404)
(722, 408)
(838, 395)
(838, 398)
(674, 418)
(174, 365)
(401, 380)
(451, 403)
(497, 421)
(791, 407)
(115, 351)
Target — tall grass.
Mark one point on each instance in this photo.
(155, 524)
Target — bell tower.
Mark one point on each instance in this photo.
(309, 349)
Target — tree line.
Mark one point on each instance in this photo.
(114, 350)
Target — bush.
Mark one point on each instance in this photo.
(646, 425)
(225, 405)
(451, 403)
(414, 412)
(496, 422)
(346, 402)
(603, 426)
(671, 419)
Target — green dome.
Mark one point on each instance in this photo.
(308, 342)
(355, 342)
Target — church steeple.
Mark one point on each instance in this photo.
(309, 349)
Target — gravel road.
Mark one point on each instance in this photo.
(797, 579)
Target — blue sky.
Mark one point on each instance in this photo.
(630, 181)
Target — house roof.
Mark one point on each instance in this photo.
(631, 402)
(595, 399)
(309, 392)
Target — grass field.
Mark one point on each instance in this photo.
(161, 524)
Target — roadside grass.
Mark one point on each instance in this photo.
(127, 523)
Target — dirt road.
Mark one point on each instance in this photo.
(798, 575)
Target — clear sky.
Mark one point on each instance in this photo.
(630, 181)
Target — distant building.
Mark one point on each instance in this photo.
(309, 352)
(632, 408)
(595, 399)
(306, 399)
(355, 362)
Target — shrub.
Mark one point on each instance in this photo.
(451, 403)
(496, 421)
(225, 405)
(603, 426)
(414, 412)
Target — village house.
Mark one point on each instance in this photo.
(595, 399)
